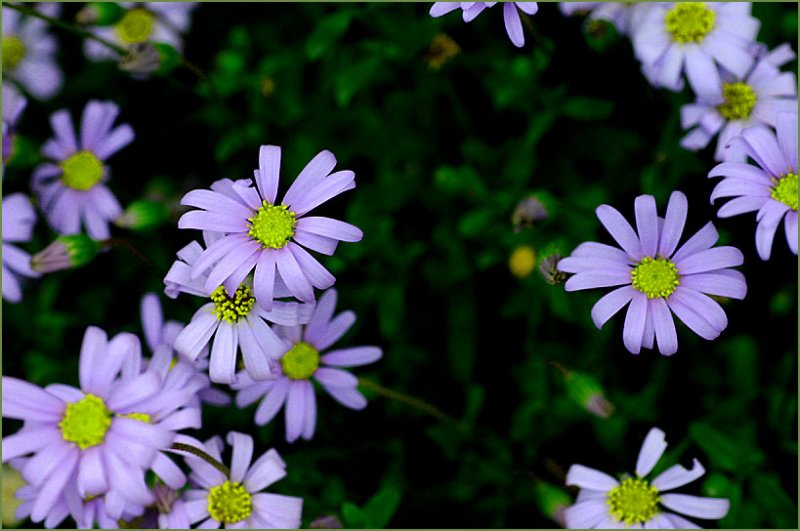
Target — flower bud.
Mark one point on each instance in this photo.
(600, 34)
(143, 215)
(100, 14)
(552, 501)
(528, 211)
(146, 58)
(65, 252)
(549, 270)
(587, 393)
(522, 261)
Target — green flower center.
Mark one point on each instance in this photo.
(689, 21)
(634, 501)
(301, 362)
(13, 52)
(231, 309)
(81, 171)
(229, 503)
(785, 190)
(136, 26)
(86, 422)
(272, 225)
(655, 277)
(740, 99)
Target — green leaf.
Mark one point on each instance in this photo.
(381, 507)
(587, 109)
(354, 517)
(325, 35)
(723, 452)
(776, 505)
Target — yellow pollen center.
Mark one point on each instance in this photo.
(689, 21)
(655, 277)
(136, 26)
(740, 99)
(634, 501)
(81, 171)
(14, 50)
(141, 417)
(785, 190)
(272, 225)
(231, 309)
(86, 422)
(301, 362)
(229, 503)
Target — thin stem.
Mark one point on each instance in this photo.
(409, 400)
(131, 248)
(181, 447)
(25, 10)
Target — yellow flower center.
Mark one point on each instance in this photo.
(272, 225)
(229, 503)
(301, 362)
(86, 422)
(13, 52)
(522, 261)
(136, 26)
(785, 190)
(231, 309)
(740, 99)
(655, 277)
(689, 21)
(634, 501)
(141, 417)
(81, 171)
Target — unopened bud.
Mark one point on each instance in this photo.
(528, 211)
(522, 261)
(65, 252)
(588, 394)
(143, 215)
(549, 270)
(600, 34)
(146, 58)
(325, 522)
(100, 14)
(552, 501)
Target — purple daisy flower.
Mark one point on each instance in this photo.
(18, 220)
(625, 16)
(740, 103)
(656, 279)
(13, 105)
(104, 435)
(269, 236)
(142, 22)
(301, 364)
(470, 10)
(695, 37)
(770, 189)
(29, 55)
(71, 186)
(234, 318)
(636, 503)
(236, 500)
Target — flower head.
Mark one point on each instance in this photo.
(769, 189)
(695, 37)
(470, 10)
(71, 185)
(635, 502)
(29, 55)
(656, 279)
(260, 233)
(307, 359)
(236, 500)
(18, 220)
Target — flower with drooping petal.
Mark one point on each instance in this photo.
(234, 317)
(634, 502)
(656, 279)
(100, 439)
(625, 16)
(18, 220)
(695, 37)
(769, 189)
(470, 10)
(236, 500)
(71, 186)
(307, 360)
(142, 22)
(260, 233)
(740, 103)
(13, 105)
(29, 55)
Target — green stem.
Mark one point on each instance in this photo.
(408, 400)
(202, 455)
(25, 10)
(131, 248)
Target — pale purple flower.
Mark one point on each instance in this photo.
(18, 220)
(470, 10)
(71, 186)
(262, 234)
(13, 105)
(234, 318)
(769, 189)
(739, 103)
(635, 502)
(143, 22)
(308, 360)
(696, 38)
(29, 55)
(237, 501)
(625, 16)
(105, 435)
(655, 278)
